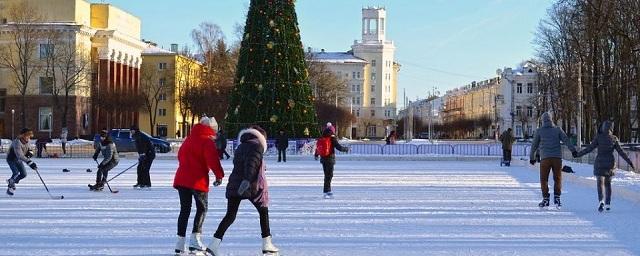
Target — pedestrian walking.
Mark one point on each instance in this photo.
(247, 181)
(19, 153)
(605, 165)
(282, 143)
(325, 150)
(146, 155)
(507, 139)
(547, 141)
(196, 157)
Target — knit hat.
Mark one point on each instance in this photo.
(209, 121)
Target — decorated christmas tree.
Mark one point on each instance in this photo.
(271, 85)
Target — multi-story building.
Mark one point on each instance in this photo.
(371, 75)
(103, 35)
(172, 72)
(507, 100)
(419, 115)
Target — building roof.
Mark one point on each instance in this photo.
(154, 50)
(336, 57)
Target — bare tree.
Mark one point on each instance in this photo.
(154, 87)
(326, 85)
(20, 55)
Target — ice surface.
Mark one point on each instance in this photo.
(380, 208)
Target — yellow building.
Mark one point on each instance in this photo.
(170, 74)
(102, 36)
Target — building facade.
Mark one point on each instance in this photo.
(494, 105)
(168, 73)
(105, 37)
(371, 74)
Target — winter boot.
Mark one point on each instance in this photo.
(267, 246)
(195, 243)
(11, 183)
(214, 246)
(556, 201)
(544, 203)
(607, 207)
(180, 246)
(601, 206)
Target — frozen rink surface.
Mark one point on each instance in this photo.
(380, 208)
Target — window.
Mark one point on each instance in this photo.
(162, 112)
(46, 85)
(161, 130)
(353, 100)
(518, 110)
(530, 111)
(353, 87)
(373, 112)
(529, 87)
(353, 75)
(162, 65)
(162, 97)
(371, 131)
(358, 113)
(162, 81)
(358, 75)
(518, 130)
(46, 50)
(373, 63)
(357, 88)
(3, 96)
(358, 101)
(529, 130)
(519, 88)
(373, 88)
(44, 119)
(373, 101)
(373, 76)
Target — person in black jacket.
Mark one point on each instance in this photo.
(282, 143)
(221, 144)
(329, 161)
(247, 181)
(146, 154)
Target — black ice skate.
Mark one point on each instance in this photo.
(556, 202)
(601, 207)
(544, 203)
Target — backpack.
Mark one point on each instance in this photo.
(323, 147)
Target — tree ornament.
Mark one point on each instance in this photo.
(259, 87)
(242, 80)
(272, 23)
(291, 102)
(273, 118)
(270, 45)
(306, 131)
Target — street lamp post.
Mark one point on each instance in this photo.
(13, 123)
(50, 124)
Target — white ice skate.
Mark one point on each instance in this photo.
(196, 247)
(212, 250)
(181, 247)
(328, 195)
(268, 249)
(607, 207)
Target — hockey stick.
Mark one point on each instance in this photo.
(108, 186)
(122, 172)
(45, 186)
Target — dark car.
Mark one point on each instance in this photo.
(125, 143)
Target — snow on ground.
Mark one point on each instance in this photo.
(381, 208)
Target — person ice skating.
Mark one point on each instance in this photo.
(19, 152)
(547, 141)
(196, 157)
(41, 144)
(63, 139)
(507, 139)
(325, 149)
(221, 144)
(109, 161)
(605, 165)
(282, 143)
(391, 139)
(146, 154)
(247, 181)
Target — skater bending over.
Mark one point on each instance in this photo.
(109, 160)
(247, 181)
(19, 153)
(547, 140)
(507, 139)
(325, 149)
(146, 154)
(196, 157)
(605, 165)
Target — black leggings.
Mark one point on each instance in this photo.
(201, 199)
(327, 167)
(604, 189)
(232, 209)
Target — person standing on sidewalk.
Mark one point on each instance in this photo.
(282, 143)
(197, 156)
(605, 165)
(547, 140)
(146, 154)
(507, 139)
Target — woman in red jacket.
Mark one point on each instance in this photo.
(196, 157)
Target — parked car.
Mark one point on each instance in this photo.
(125, 143)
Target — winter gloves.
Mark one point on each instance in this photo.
(532, 161)
(243, 187)
(218, 182)
(574, 154)
(95, 157)
(32, 165)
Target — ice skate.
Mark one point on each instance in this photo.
(601, 206)
(607, 207)
(557, 202)
(268, 248)
(10, 191)
(212, 250)
(181, 247)
(544, 203)
(195, 244)
(328, 195)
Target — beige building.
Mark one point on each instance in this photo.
(106, 37)
(371, 74)
(168, 72)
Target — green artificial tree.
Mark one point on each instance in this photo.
(272, 85)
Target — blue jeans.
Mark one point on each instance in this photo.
(17, 168)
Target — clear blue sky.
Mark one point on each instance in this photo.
(442, 43)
